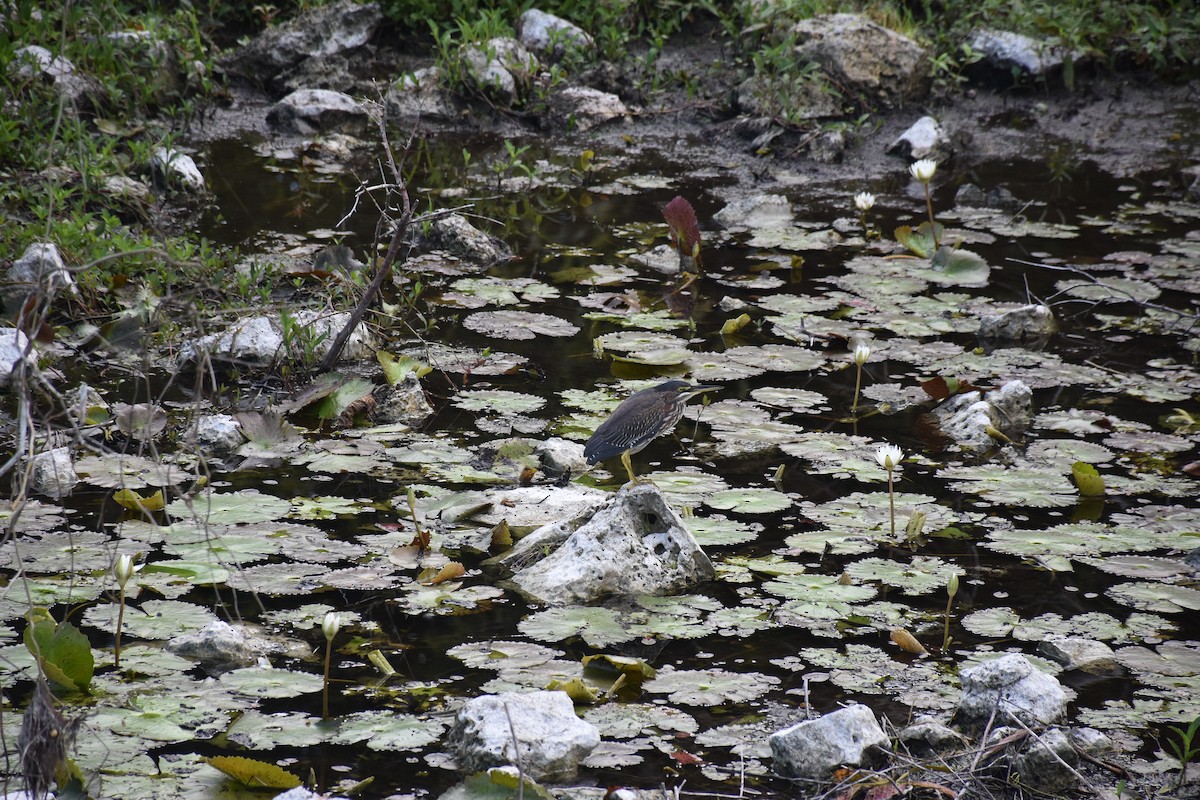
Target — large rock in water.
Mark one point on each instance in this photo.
(816, 748)
(537, 731)
(636, 544)
(1006, 687)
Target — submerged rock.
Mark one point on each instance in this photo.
(816, 749)
(636, 544)
(403, 402)
(970, 418)
(219, 647)
(311, 111)
(1034, 321)
(560, 457)
(52, 473)
(217, 434)
(539, 731)
(1088, 655)
(458, 237)
(1008, 686)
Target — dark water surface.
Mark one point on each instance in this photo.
(264, 203)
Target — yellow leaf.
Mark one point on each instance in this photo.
(127, 498)
(577, 690)
(1089, 481)
(449, 572)
(735, 325)
(908, 643)
(254, 774)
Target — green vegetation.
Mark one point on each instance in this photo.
(137, 79)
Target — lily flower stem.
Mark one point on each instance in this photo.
(892, 503)
(120, 624)
(325, 686)
(857, 387)
(932, 224)
(946, 628)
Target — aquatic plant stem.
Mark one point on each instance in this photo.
(892, 502)
(932, 224)
(120, 624)
(329, 627)
(325, 684)
(857, 388)
(951, 590)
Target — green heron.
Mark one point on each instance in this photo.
(639, 420)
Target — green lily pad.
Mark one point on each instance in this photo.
(749, 501)
(710, 687)
(267, 682)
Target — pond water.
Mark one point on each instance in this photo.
(779, 478)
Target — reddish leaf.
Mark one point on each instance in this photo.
(885, 790)
(685, 228)
(940, 388)
(684, 757)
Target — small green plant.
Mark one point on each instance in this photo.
(301, 341)
(512, 162)
(1186, 749)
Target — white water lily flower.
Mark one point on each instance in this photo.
(861, 353)
(864, 201)
(124, 569)
(888, 456)
(331, 625)
(923, 170)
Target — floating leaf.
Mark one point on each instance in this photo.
(511, 325)
(922, 241)
(254, 774)
(710, 687)
(1089, 481)
(749, 501)
(129, 499)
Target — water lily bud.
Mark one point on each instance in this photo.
(331, 624)
(952, 585)
(864, 201)
(888, 456)
(124, 570)
(923, 170)
(861, 353)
